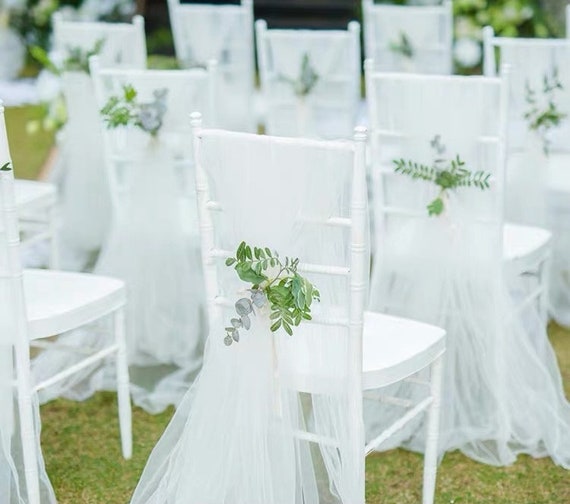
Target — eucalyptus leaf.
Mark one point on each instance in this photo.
(287, 293)
(243, 307)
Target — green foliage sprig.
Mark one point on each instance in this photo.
(76, 60)
(446, 174)
(403, 46)
(542, 119)
(307, 79)
(274, 282)
(6, 167)
(126, 110)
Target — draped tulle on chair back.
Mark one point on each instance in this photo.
(204, 32)
(447, 269)
(85, 190)
(274, 418)
(123, 44)
(153, 244)
(531, 61)
(329, 108)
(537, 174)
(403, 38)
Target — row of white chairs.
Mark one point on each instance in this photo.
(392, 134)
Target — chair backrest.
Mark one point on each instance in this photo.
(422, 118)
(531, 61)
(125, 148)
(261, 189)
(329, 108)
(124, 44)
(204, 32)
(403, 38)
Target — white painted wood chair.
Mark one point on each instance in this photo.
(538, 182)
(85, 198)
(526, 249)
(124, 44)
(409, 38)
(154, 226)
(47, 303)
(378, 350)
(224, 33)
(328, 109)
(452, 269)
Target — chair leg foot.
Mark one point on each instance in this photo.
(432, 435)
(28, 435)
(123, 388)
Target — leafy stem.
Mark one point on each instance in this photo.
(77, 59)
(307, 79)
(541, 118)
(446, 174)
(126, 110)
(288, 294)
(6, 167)
(403, 46)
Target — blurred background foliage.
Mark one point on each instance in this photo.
(509, 18)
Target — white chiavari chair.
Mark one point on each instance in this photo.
(329, 109)
(46, 303)
(331, 361)
(224, 33)
(409, 38)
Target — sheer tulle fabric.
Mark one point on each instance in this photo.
(221, 33)
(123, 43)
(86, 201)
(152, 245)
(231, 439)
(330, 109)
(448, 271)
(428, 30)
(532, 175)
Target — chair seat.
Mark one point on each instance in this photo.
(59, 301)
(395, 348)
(524, 246)
(31, 193)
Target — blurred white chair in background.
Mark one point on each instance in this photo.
(85, 192)
(538, 169)
(409, 38)
(124, 44)
(224, 33)
(153, 244)
(310, 80)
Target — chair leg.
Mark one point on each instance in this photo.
(27, 426)
(432, 435)
(123, 387)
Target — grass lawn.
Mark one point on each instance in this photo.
(81, 447)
